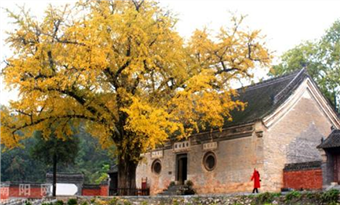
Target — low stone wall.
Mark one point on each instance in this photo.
(295, 197)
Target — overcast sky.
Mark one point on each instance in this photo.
(285, 23)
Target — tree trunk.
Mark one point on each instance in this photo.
(54, 175)
(126, 175)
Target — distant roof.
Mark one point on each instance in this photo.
(66, 177)
(265, 97)
(332, 141)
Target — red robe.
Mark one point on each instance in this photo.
(256, 178)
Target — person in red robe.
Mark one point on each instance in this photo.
(256, 179)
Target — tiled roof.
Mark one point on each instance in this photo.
(265, 97)
(302, 166)
(332, 141)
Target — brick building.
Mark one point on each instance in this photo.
(278, 134)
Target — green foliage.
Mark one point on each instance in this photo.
(28, 203)
(113, 201)
(18, 164)
(47, 203)
(45, 149)
(330, 196)
(313, 196)
(293, 195)
(126, 202)
(72, 202)
(103, 173)
(59, 202)
(320, 57)
(265, 197)
(278, 194)
(91, 158)
(84, 203)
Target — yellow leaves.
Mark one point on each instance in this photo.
(126, 73)
(151, 125)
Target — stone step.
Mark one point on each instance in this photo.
(172, 190)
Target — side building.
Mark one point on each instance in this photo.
(283, 123)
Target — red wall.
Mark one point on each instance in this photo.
(35, 192)
(102, 190)
(306, 179)
(91, 192)
(4, 191)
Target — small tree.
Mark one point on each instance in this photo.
(55, 150)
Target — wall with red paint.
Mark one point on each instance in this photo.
(305, 179)
(91, 192)
(104, 190)
(95, 190)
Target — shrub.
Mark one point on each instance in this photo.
(293, 195)
(126, 202)
(172, 183)
(28, 203)
(278, 194)
(189, 183)
(113, 201)
(59, 202)
(72, 202)
(93, 200)
(265, 198)
(330, 196)
(84, 203)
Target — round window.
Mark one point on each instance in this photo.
(209, 161)
(156, 166)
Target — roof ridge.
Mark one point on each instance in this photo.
(270, 81)
(335, 131)
(286, 89)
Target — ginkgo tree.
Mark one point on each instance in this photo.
(120, 68)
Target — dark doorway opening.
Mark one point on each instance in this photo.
(113, 189)
(336, 161)
(182, 168)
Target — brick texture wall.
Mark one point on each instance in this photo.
(305, 179)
